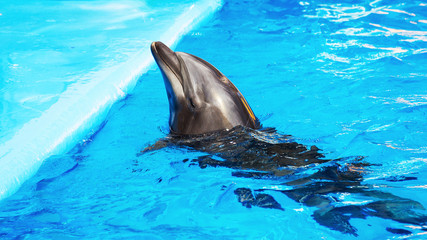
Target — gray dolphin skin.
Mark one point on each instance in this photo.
(201, 98)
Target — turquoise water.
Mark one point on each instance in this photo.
(64, 63)
(349, 78)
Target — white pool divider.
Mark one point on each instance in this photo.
(83, 106)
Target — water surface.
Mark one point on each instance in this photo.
(348, 77)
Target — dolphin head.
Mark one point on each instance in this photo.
(201, 98)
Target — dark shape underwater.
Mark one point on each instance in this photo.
(209, 114)
(265, 154)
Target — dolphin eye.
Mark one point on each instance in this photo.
(192, 103)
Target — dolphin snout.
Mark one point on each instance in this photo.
(165, 55)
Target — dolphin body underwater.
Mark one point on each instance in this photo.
(209, 114)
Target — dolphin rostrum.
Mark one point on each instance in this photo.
(201, 98)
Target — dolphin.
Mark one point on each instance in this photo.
(208, 114)
(201, 98)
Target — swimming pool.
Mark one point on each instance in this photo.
(348, 78)
(65, 63)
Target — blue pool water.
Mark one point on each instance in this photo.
(64, 63)
(348, 77)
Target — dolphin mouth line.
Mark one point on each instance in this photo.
(162, 58)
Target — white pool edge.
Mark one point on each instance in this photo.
(83, 107)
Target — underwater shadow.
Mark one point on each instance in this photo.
(312, 180)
